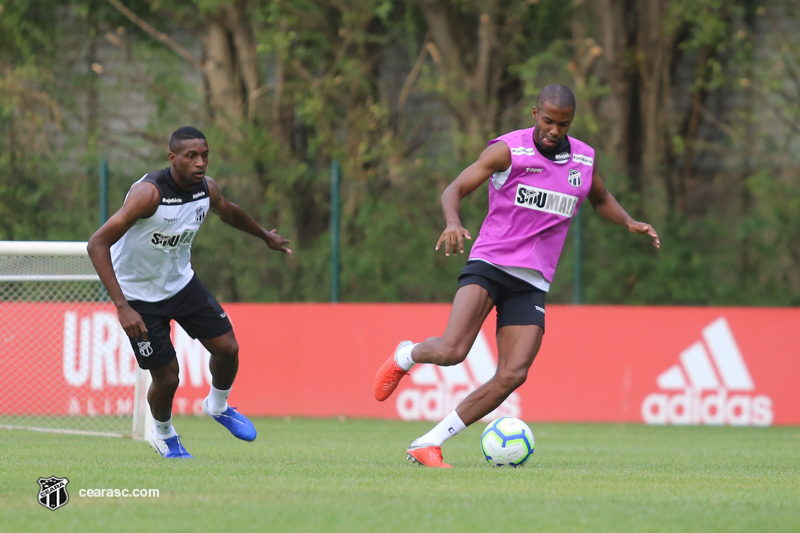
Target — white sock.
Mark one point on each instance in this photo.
(449, 427)
(163, 430)
(217, 400)
(403, 357)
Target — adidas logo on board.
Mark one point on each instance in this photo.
(711, 385)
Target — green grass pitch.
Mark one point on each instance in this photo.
(306, 475)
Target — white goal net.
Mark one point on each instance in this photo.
(65, 363)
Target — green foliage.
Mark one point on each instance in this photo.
(773, 226)
(341, 67)
(27, 154)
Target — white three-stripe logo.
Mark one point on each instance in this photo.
(711, 385)
(696, 369)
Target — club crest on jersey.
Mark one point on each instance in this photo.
(200, 214)
(544, 200)
(574, 178)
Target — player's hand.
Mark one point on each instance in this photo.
(276, 242)
(645, 229)
(132, 322)
(453, 239)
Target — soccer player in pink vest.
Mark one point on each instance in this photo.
(538, 179)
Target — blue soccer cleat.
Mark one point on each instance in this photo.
(239, 426)
(170, 448)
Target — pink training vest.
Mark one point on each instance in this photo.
(529, 212)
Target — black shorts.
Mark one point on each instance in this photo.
(194, 308)
(518, 303)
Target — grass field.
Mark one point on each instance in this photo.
(310, 475)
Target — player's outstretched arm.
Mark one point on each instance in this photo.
(495, 158)
(233, 215)
(142, 202)
(608, 206)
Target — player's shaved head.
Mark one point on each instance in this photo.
(556, 95)
(184, 134)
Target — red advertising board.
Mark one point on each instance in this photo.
(655, 365)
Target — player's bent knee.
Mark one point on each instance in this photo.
(452, 355)
(166, 378)
(512, 379)
(232, 350)
(167, 382)
(227, 351)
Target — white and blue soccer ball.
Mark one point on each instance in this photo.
(507, 441)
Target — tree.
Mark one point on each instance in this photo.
(690, 104)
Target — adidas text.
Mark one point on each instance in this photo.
(711, 385)
(692, 407)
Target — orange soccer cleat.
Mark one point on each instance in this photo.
(388, 376)
(430, 456)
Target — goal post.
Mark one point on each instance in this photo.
(66, 365)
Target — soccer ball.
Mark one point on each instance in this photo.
(507, 441)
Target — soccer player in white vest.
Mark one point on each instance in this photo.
(539, 177)
(142, 255)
